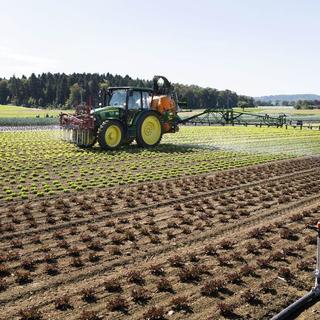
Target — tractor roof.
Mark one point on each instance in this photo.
(131, 88)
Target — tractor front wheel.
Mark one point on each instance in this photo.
(110, 135)
(149, 129)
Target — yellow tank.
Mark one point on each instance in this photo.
(163, 104)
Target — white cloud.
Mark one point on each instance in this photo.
(18, 63)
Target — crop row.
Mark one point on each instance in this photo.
(231, 275)
(99, 204)
(36, 164)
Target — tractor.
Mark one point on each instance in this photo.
(124, 114)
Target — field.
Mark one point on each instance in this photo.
(9, 111)
(208, 225)
(22, 116)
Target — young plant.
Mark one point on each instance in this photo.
(287, 234)
(62, 303)
(27, 264)
(94, 257)
(226, 309)
(77, 262)
(210, 250)
(164, 285)
(140, 295)
(135, 276)
(89, 295)
(118, 303)
(212, 286)
(31, 313)
(263, 263)
(4, 270)
(52, 269)
(95, 245)
(226, 244)
(181, 304)
(154, 313)
(3, 285)
(234, 277)
(23, 277)
(190, 274)
(247, 270)
(250, 297)
(157, 270)
(176, 261)
(305, 265)
(113, 285)
(267, 286)
(89, 315)
(285, 273)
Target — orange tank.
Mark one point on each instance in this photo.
(163, 104)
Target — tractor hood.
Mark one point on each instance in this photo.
(107, 112)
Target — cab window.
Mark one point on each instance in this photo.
(118, 98)
(146, 98)
(134, 101)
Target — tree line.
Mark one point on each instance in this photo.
(307, 104)
(299, 104)
(59, 90)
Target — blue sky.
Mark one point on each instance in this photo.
(252, 47)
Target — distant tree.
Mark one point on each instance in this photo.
(104, 85)
(34, 87)
(245, 102)
(4, 91)
(75, 96)
(62, 90)
(286, 103)
(49, 91)
(307, 104)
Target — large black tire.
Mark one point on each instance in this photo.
(149, 129)
(110, 134)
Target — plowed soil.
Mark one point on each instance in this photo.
(230, 244)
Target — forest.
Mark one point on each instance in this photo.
(59, 90)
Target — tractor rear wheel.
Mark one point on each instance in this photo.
(149, 129)
(110, 135)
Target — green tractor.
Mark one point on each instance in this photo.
(124, 115)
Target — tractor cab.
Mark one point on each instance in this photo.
(126, 98)
(123, 103)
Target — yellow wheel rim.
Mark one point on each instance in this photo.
(113, 136)
(151, 130)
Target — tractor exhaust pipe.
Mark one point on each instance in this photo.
(311, 297)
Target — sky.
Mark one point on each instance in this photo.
(253, 47)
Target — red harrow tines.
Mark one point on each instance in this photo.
(79, 127)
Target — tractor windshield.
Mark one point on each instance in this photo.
(118, 98)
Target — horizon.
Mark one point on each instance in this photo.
(254, 49)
